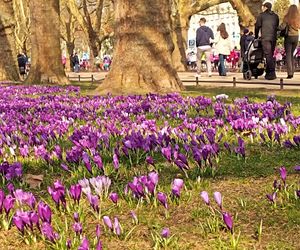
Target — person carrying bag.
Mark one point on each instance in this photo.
(289, 29)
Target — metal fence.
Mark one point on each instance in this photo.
(234, 82)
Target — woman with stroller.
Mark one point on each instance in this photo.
(291, 23)
(223, 47)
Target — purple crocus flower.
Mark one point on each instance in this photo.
(76, 216)
(98, 231)
(297, 168)
(98, 161)
(44, 212)
(57, 193)
(25, 198)
(283, 173)
(153, 177)
(298, 193)
(218, 199)
(64, 167)
(114, 197)
(99, 245)
(10, 188)
(162, 199)
(77, 227)
(204, 196)
(116, 161)
(75, 192)
(19, 223)
(8, 203)
(94, 202)
(117, 227)
(107, 222)
(86, 161)
(85, 245)
(134, 217)
(2, 196)
(167, 152)
(165, 233)
(48, 232)
(228, 220)
(150, 160)
(272, 197)
(69, 244)
(34, 220)
(177, 186)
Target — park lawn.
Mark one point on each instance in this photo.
(243, 184)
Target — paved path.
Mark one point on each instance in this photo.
(215, 80)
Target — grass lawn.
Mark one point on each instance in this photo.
(243, 183)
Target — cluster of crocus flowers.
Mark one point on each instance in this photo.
(143, 185)
(284, 190)
(57, 192)
(113, 226)
(11, 171)
(100, 185)
(227, 218)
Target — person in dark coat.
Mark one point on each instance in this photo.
(267, 24)
(22, 60)
(243, 42)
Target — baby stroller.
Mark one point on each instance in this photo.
(253, 61)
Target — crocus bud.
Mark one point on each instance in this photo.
(114, 197)
(228, 221)
(107, 222)
(76, 217)
(85, 245)
(204, 196)
(44, 212)
(98, 231)
(283, 173)
(117, 227)
(162, 199)
(165, 233)
(218, 199)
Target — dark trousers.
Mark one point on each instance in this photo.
(290, 44)
(269, 48)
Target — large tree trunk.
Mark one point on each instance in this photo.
(46, 65)
(180, 28)
(142, 60)
(8, 55)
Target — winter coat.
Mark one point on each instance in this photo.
(203, 36)
(292, 30)
(223, 46)
(267, 23)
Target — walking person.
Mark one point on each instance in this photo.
(22, 60)
(267, 24)
(291, 23)
(223, 47)
(243, 42)
(204, 35)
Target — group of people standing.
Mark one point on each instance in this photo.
(266, 28)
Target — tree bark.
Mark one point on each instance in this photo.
(46, 65)
(180, 26)
(142, 60)
(8, 55)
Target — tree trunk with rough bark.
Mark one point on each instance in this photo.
(180, 28)
(46, 64)
(8, 55)
(142, 60)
